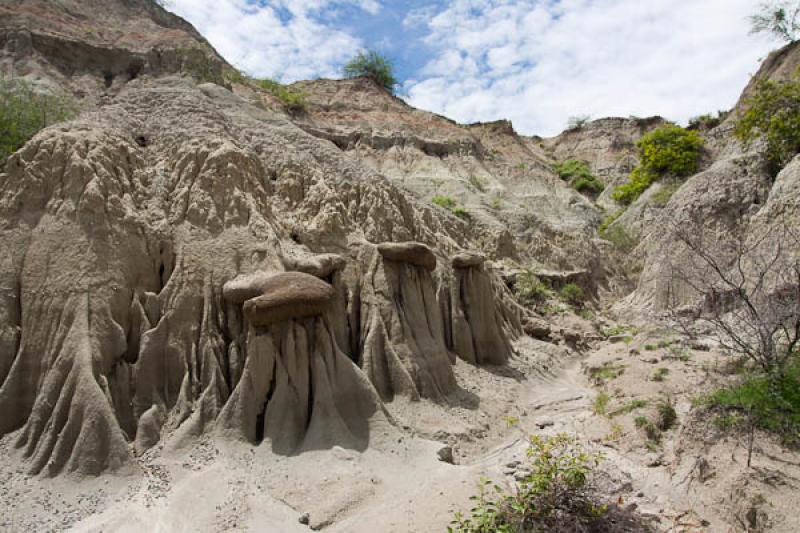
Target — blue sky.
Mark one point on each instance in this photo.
(535, 62)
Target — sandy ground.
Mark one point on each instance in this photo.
(687, 483)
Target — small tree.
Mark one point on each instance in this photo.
(777, 18)
(749, 289)
(577, 122)
(772, 112)
(24, 111)
(373, 65)
(669, 150)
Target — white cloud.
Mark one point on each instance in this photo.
(537, 62)
(253, 36)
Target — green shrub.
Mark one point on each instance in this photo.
(606, 372)
(650, 347)
(610, 219)
(638, 182)
(666, 151)
(649, 427)
(25, 111)
(373, 65)
(773, 112)
(580, 177)
(572, 294)
(660, 374)
(628, 408)
(477, 183)
(292, 99)
(667, 416)
(590, 186)
(572, 168)
(461, 212)
(601, 403)
(770, 403)
(707, 121)
(530, 290)
(557, 494)
(577, 122)
(446, 202)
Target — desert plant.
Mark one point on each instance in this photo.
(588, 185)
(707, 121)
(556, 495)
(668, 150)
(748, 287)
(572, 168)
(447, 202)
(667, 416)
(777, 18)
(610, 219)
(769, 404)
(292, 99)
(572, 294)
(605, 372)
(530, 290)
(649, 427)
(772, 112)
(601, 403)
(373, 65)
(659, 374)
(628, 408)
(579, 176)
(578, 121)
(476, 183)
(24, 111)
(461, 212)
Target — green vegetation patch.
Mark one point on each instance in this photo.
(669, 150)
(572, 294)
(660, 374)
(24, 112)
(606, 372)
(629, 407)
(530, 290)
(373, 65)
(449, 203)
(772, 112)
(291, 98)
(771, 403)
(579, 176)
(601, 403)
(555, 494)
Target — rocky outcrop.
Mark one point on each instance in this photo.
(476, 323)
(170, 313)
(412, 253)
(290, 295)
(402, 343)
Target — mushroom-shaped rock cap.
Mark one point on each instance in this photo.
(289, 295)
(467, 259)
(246, 286)
(321, 266)
(414, 253)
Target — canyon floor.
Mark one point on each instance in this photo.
(399, 484)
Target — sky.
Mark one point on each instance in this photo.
(534, 62)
